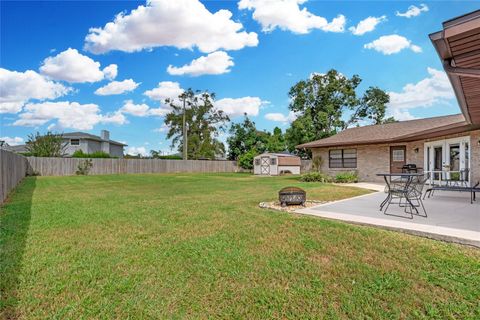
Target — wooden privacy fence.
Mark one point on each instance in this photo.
(13, 168)
(68, 166)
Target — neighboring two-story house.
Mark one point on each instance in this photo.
(86, 142)
(90, 143)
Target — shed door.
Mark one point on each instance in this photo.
(265, 166)
(397, 158)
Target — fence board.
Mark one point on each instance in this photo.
(13, 168)
(68, 166)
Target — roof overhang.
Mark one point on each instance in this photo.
(426, 134)
(458, 46)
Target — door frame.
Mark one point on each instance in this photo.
(404, 148)
(445, 145)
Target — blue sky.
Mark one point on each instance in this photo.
(248, 52)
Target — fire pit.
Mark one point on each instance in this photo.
(292, 196)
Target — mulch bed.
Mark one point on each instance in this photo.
(275, 205)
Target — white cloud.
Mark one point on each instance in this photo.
(280, 117)
(164, 90)
(238, 106)
(12, 141)
(67, 115)
(72, 66)
(433, 90)
(367, 25)
(181, 23)
(162, 129)
(142, 110)
(401, 115)
(19, 87)
(392, 44)
(110, 71)
(117, 87)
(217, 62)
(287, 15)
(135, 151)
(413, 11)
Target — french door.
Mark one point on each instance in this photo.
(447, 159)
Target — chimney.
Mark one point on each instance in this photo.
(105, 135)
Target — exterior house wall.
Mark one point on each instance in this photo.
(116, 150)
(375, 158)
(69, 150)
(93, 146)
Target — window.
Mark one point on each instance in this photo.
(398, 155)
(257, 162)
(343, 158)
(273, 161)
(74, 142)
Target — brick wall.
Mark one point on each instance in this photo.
(373, 159)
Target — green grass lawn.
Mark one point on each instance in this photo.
(197, 246)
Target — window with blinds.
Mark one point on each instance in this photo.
(343, 158)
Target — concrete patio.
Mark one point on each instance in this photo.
(450, 216)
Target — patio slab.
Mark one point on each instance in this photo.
(450, 216)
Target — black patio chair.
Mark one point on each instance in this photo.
(409, 196)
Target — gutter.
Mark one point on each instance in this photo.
(464, 72)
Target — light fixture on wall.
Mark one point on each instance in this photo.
(415, 150)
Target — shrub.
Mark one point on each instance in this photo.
(315, 176)
(47, 145)
(346, 177)
(246, 160)
(96, 154)
(84, 167)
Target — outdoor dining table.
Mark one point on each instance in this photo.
(406, 180)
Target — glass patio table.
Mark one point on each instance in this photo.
(405, 181)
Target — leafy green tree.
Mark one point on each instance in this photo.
(323, 103)
(276, 141)
(301, 131)
(246, 160)
(204, 122)
(244, 137)
(47, 145)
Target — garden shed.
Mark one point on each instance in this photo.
(273, 164)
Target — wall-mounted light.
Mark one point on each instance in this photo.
(415, 150)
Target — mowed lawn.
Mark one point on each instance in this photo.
(197, 246)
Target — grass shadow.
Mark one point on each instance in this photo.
(15, 216)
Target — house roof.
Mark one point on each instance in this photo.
(88, 136)
(17, 148)
(401, 131)
(458, 46)
(278, 154)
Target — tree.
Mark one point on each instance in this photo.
(301, 131)
(276, 141)
(204, 122)
(48, 145)
(244, 137)
(245, 160)
(323, 103)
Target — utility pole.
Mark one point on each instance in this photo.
(185, 156)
